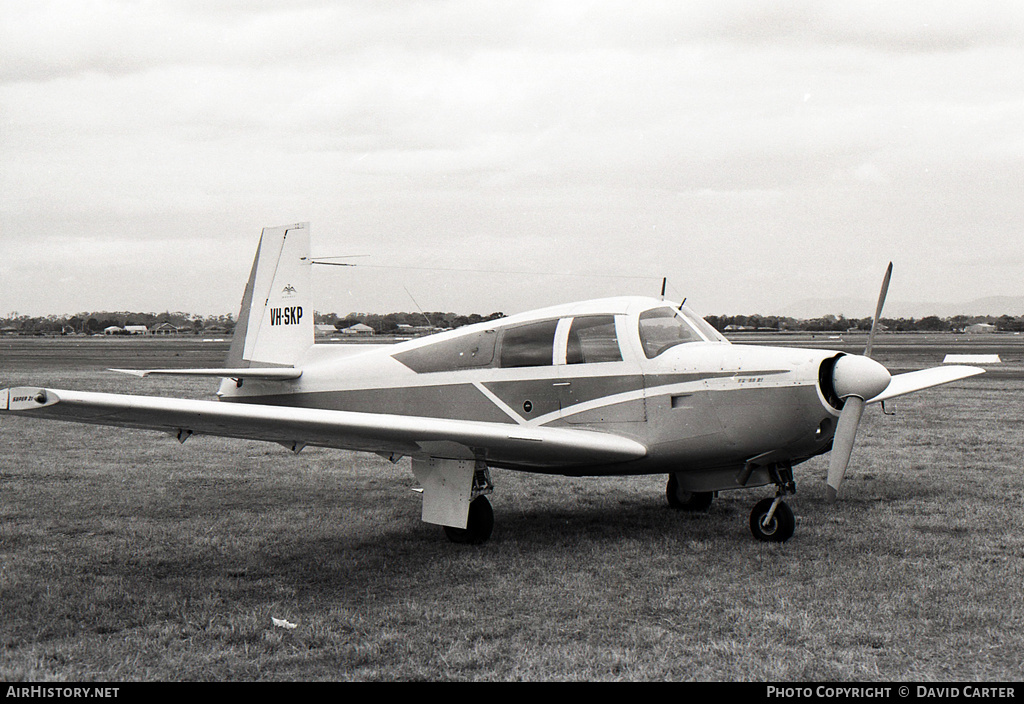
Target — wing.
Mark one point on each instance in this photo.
(908, 383)
(269, 373)
(415, 436)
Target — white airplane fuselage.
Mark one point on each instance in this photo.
(704, 408)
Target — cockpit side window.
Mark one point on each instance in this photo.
(530, 345)
(661, 328)
(592, 339)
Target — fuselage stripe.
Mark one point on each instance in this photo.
(504, 407)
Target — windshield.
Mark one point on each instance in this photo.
(704, 326)
(661, 328)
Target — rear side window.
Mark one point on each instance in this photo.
(529, 345)
(462, 352)
(592, 339)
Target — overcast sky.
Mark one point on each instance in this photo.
(755, 153)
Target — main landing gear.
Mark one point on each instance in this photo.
(694, 501)
(479, 525)
(480, 521)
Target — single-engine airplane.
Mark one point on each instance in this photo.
(616, 386)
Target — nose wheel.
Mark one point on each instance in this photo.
(772, 520)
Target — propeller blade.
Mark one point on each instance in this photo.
(855, 379)
(878, 310)
(842, 445)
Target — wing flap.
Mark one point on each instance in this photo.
(370, 432)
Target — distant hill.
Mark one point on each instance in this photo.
(809, 308)
(996, 305)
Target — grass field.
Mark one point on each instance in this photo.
(126, 556)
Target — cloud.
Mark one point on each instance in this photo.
(701, 139)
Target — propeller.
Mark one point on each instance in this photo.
(856, 379)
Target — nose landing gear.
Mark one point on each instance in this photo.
(772, 520)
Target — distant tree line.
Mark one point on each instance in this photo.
(831, 323)
(385, 323)
(95, 323)
(186, 323)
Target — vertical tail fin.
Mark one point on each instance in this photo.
(275, 324)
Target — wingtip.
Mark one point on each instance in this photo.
(27, 398)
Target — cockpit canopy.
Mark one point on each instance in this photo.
(572, 337)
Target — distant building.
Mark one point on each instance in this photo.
(980, 327)
(358, 329)
(113, 330)
(136, 329)
(164, 329)
(415, 330)
(324, 330)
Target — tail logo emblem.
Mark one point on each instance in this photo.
(289, 290)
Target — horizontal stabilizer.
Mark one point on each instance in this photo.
(908, 383)
(269, 373)
(972, 359)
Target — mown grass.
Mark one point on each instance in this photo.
(126, 556)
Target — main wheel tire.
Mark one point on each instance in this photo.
(695, 501)
(779, 529)
(478, 526)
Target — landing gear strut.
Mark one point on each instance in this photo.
(772, 520)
